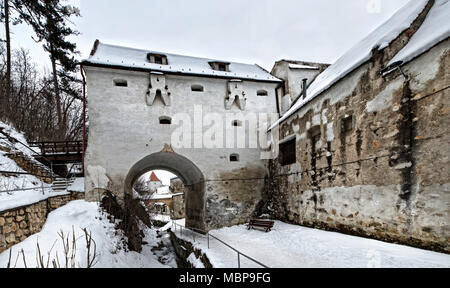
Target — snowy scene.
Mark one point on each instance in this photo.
(125, 147)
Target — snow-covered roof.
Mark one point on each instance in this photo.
(362, 52)
(154, 178)
(161, 196)
(118, 56)
(298, 66)
(434, 29)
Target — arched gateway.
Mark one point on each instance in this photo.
(187, 171)
(136, 105)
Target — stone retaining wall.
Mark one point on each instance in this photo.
(184, 249)
(19, 223)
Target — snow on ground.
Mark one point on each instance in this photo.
(19, 137)
(160, 217)
(181, 222)
(24, 198)
(79, 215)
(380, 38)
(10, 200)
(292, 246)
(77, 185)
(434, 29)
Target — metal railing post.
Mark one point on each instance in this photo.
(193, 230)
(51, 168)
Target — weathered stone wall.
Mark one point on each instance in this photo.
(184, 249)
(179, 205)
(19, 223)
(150, 203)
(388, 176)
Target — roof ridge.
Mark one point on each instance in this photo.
(174, 54)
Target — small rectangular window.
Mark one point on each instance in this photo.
(220, 66)
(197, 88)
(315, 136)
(157, 59)
(120, 83)
(165, 120)
(234, 158)
(288, 152)
(262, 93)
(347, 124)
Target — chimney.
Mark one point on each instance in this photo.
(304, 87)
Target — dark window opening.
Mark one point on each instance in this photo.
(220, 66)
(315, 136)
(197, 88)
(165, 120)
(262, 93)
(288, 152)
(157, 59)
(347, 124)
(234, 158)
(237, 123)
(120, 83)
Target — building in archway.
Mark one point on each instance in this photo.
(141, 103)
(154, 183)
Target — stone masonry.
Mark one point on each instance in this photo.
(371, 153)
(19, 223)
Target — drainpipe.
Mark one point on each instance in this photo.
(84, 117)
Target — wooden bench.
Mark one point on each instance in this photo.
(267, 225)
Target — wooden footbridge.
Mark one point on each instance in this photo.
(59, 152)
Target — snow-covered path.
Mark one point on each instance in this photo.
(298, 247)
(79, 215)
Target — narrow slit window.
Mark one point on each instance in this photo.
(234, 158)
(197, 88)
(120, 83)
(165, 120)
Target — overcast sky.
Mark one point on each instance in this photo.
(249, 31)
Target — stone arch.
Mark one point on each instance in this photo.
(187, 171)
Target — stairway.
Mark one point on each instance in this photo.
(61, 184)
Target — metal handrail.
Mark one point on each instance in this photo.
(239, 253)
(26, 189)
